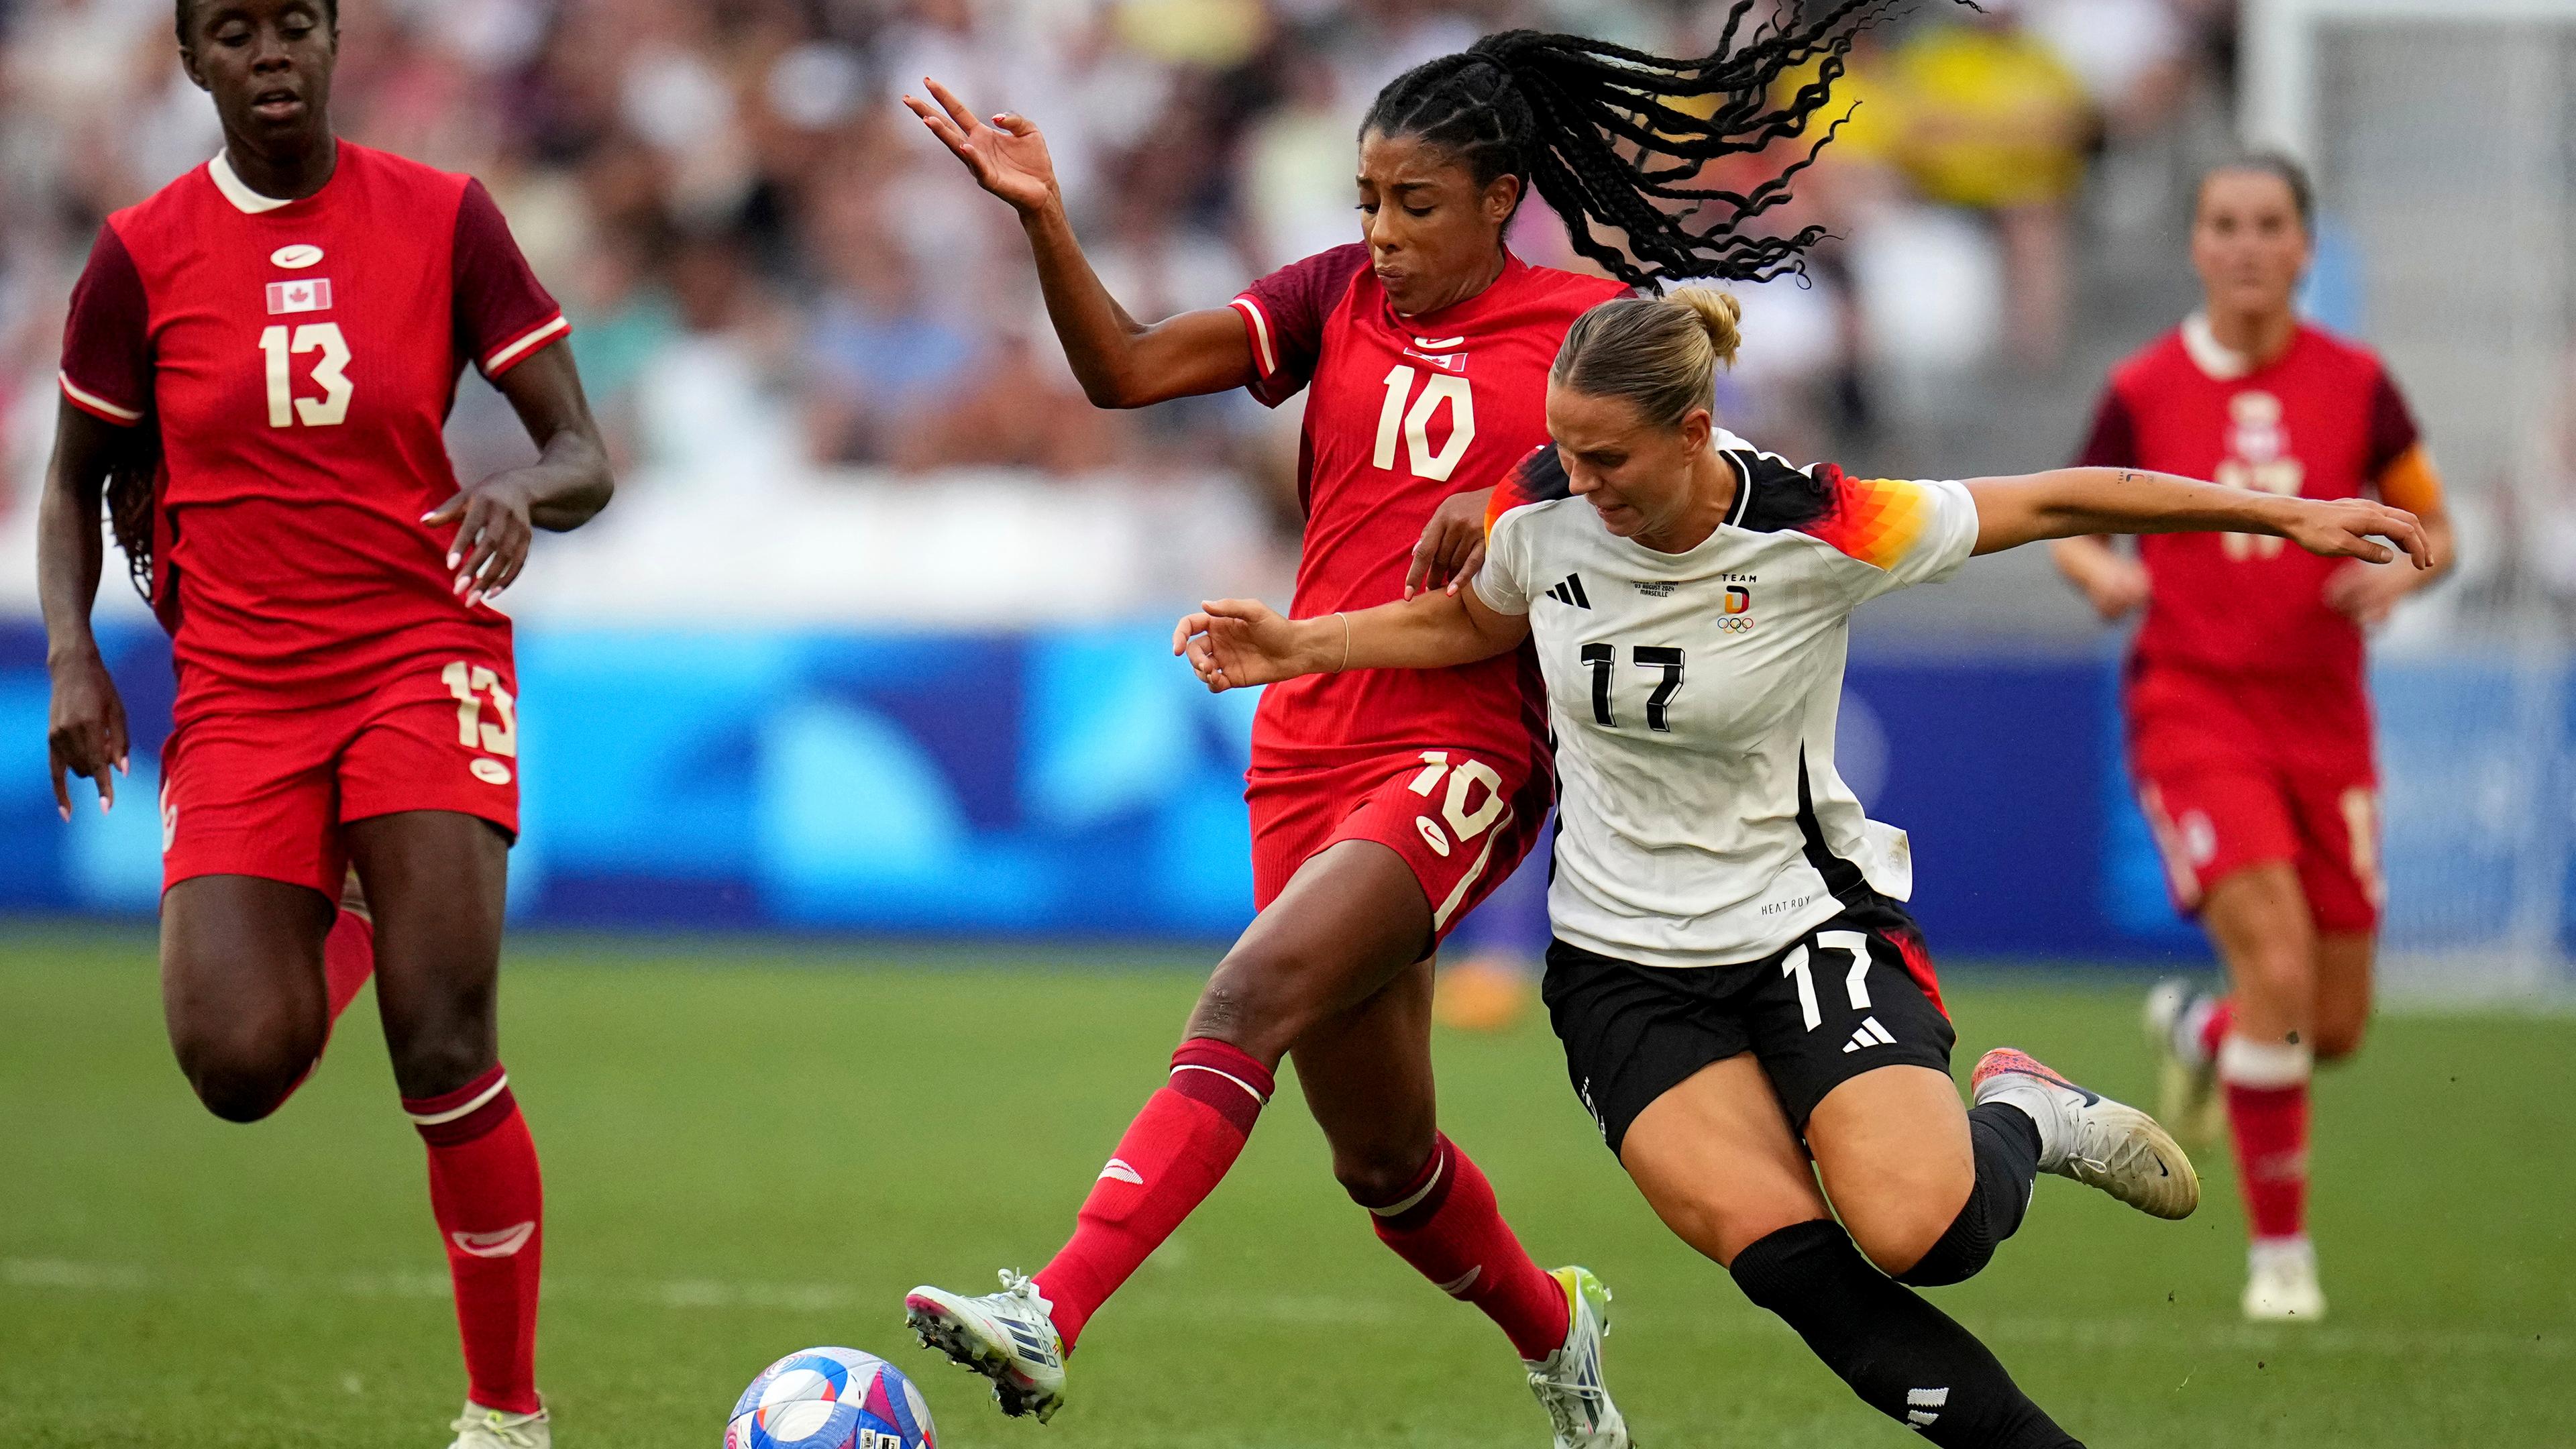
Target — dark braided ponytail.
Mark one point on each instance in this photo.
(128, 496)
(1599, 130)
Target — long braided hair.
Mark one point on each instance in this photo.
(1610, 135)
(129, 499)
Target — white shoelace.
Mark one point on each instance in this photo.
(1572, 1408)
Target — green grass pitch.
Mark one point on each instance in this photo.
(754, 1148)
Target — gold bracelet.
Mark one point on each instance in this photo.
(1346, 642)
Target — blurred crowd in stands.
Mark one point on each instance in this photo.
(772, 268)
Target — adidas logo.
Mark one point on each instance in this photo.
(1923, 1406)
(1571, 592)
(1870, 1034)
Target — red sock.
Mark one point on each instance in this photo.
(484, 1191)
(348, 959)
(2267, 1112)
(1174, 1154)
(1448, 1226)
(2214, 1030)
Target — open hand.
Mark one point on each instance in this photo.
(1452, 549)
(1238, 643)
(1009, 158)
(85, 733)
(2344, 528)
(492, 536)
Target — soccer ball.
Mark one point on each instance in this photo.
(830, 1398)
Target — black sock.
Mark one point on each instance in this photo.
(2006, 1143)
(1904, 1357)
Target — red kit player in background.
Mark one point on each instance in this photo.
(2249, 721)
(1385, 804)
(259, 362)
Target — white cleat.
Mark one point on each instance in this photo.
(2281, 1283)
(2090, 1138)
(1007, 1337)
(2187, 1095)
(1568, 1381)
(482, 1428)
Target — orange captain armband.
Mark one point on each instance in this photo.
(2410, 482)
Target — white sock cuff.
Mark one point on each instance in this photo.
(2244, 1062)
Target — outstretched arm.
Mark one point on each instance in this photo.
(85, 730)
(2073, 502)
(1237, 643)
(1121, 363)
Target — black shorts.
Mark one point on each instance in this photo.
(1852, 995)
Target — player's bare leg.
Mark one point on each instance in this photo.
(1335, 967)
(438, 881)
(2343, 994)
(2262, 1039)
(242, 988)
(1366, 1074)
(1716, 1159)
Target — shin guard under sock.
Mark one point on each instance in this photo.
(1174, 1154)
(484, 1191)
(1902, 1356)
(2006, 1143)
(1447, 1224)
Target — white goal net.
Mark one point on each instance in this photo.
(2443, 137)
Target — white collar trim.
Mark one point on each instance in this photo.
(236, 191)
(2222, 362)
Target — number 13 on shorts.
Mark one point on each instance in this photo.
(470, 684)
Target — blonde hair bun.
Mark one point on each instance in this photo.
(1719, 313)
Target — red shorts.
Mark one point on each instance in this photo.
(254, 788)
(1460, 821)
(2234, 773)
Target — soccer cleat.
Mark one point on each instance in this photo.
(2281, 1283)
(482, 1428)
(1007, 1337)
(2090, 1138)
(1568, 1381)
(2187, 1096)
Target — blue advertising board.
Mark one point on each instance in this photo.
(1079, 782)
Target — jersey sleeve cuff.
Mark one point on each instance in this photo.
(99, 407)
(1256, 325)
(1514, 609)
(526, 345)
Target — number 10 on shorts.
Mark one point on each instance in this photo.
(1464, 824)
(470, 683)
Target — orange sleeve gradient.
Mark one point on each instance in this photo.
(2410, 482)
(1875, 520)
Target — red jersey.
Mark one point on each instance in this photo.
(2323, 420)
(1403, 412)
(298, 360)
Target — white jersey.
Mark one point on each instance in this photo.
(1693, 698)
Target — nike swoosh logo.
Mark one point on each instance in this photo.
(1463, 1281)
(1120, 1171)
(500, 1244)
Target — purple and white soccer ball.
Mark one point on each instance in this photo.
(830, 1398)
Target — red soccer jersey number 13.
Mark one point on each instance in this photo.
(298, 360)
